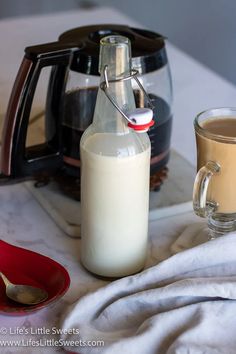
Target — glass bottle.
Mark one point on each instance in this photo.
(115, 167)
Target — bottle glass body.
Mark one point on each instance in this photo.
(115, 166)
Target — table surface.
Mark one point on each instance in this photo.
(22, 220)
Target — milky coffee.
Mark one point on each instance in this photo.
(217, 148)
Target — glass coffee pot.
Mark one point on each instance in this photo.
(71, 97)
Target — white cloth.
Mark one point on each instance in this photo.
(184, 304)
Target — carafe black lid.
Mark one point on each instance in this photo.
(148, 48)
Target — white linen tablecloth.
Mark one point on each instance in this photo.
(184, 304)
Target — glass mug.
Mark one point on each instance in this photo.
(214, 192)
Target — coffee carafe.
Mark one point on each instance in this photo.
(71, 97)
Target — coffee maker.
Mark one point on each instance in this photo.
(70, 102)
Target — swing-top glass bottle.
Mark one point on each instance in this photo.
(115, 166)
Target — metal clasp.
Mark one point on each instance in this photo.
(105, 86)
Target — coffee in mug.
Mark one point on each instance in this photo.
(214, 194)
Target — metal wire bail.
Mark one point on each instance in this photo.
(105, 85)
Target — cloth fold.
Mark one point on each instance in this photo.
(184, 304)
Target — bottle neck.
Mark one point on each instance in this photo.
(115, 55)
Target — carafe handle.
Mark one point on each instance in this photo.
(17, 161)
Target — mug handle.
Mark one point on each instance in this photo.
(17, 161)
(201, 206)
